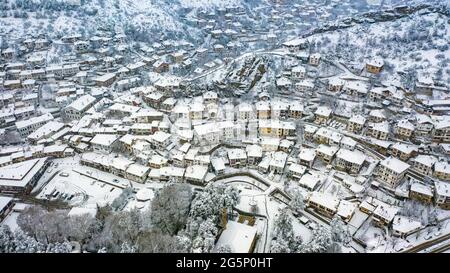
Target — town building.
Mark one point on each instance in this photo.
(77, 108)
(324, 203)
(20, 178)
(391, 171)
(421, 192)
(349, 161)
(424, 164)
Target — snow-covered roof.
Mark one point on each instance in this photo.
(34, 120)
(404, 148)
(181, 108)
(210, 95)
(380, 126)
(254, 150)
(348, 141)
(346, 208)
(79, 211)
(137, 169)
(144, 194)
(283, 81)
(296, 106)
(278, 159)
(275, 123)
(299, 69)
(279, 105)
(442, 188)
(421, 119)
(245, 107)
(185, 147)
(377, 113)
(305, 83)
(4, 201)
(394, 164)
(168, 81)
(442, 124)
(197, 172)
(327, 150)
(426, 160)
(236, 154)
(405, 225)
(295, 42)
(212, 127)
(104, 139)
(358, 86)
(141, 126)
(355, 157)
(20, 174)
(120, 163)
(442, 167)
(105, 77)
(45, 130)
(307, 154)
(262, 106)
(196, 107)
(323, 111)
(421, 188)
(445, 147)
(405, 124)
(309, 180)
(172, 171)
(127, 139)
(160, 136)
(310, 128)
(377, 61)
(147, 113)
(386, 212)
(120, 107)
(297, 168)
(82, 103)
(239, 237)
(334, 136)
(324, 199)
(336, 81)
(218, 164)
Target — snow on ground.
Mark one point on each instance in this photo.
(252, 196)
(142, 199)
(357, 220)
(378, 242)
(380, 39)
(57, 165)
(375, 239)
(301, 230)
(135, 204)
(209, 3)
(11, 221)
(267, 206)
(86, 190)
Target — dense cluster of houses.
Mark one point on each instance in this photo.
(122, 108)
